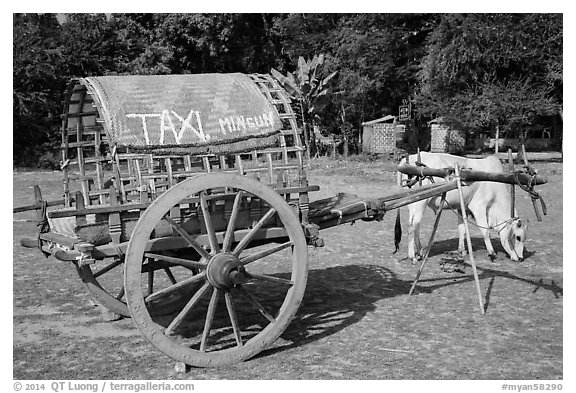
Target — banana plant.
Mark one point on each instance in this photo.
(306, 85)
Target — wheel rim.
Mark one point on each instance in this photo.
(109, 292)
(241, 279)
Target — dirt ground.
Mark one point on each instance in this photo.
(357, 320)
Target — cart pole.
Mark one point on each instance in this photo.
(468, 239)
(429, 246)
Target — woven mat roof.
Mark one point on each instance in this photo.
(148, 111)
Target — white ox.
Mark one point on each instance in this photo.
(488, 202)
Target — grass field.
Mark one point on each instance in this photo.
(357, 320)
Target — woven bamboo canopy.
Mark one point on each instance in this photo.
(156, 113)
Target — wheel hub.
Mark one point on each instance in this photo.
(225, 270)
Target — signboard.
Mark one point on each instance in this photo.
(404, 111)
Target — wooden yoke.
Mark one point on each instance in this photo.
(470, 175)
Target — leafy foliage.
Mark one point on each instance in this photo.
(478, 71)
(488, 70)
(37, 59)
(308, 84)
(375, 55)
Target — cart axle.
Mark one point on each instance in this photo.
(225, 270)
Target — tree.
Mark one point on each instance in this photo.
(305, 35)
(37, 61)
(88, 43)
(375, 55)
(308, 84)
(201, 43)
(495, 71)
(139, 46)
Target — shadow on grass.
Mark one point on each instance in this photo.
(341, 296)
(338, 297)
(450, 245)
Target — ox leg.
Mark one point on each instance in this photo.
(461, 236)
(416, 211)
(488, 243)
(482, 220)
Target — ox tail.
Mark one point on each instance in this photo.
(398, 225)
(397, 232)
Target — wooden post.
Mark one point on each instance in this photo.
(419, 162)
(524, 158)
(306, 131)
(429, 246)
(468, 239)
(534, 204)
(39, 201)
(512, 189)
(497, 139)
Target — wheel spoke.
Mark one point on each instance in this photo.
(187, 237)
(251, 258)
(175, 288)
(233, 318)
(250, 235)
(107, 268)
(228, 238)
(209, 319)
(273, 279)
(189, 306)
(178, 261)
(257, 304)
(170, 275)
(150, 282)
(209, 225)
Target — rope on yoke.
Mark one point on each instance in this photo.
(529, 188)
(413, 179)
(504, 223)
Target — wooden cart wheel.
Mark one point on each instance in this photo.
(253, 271)
(105, 284)
(109, 294)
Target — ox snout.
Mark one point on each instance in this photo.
(518, 238)
(517, 254)
(518, 247)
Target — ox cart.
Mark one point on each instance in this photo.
(186, 207)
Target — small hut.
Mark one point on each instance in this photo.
(381, 135)
(445, 139)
